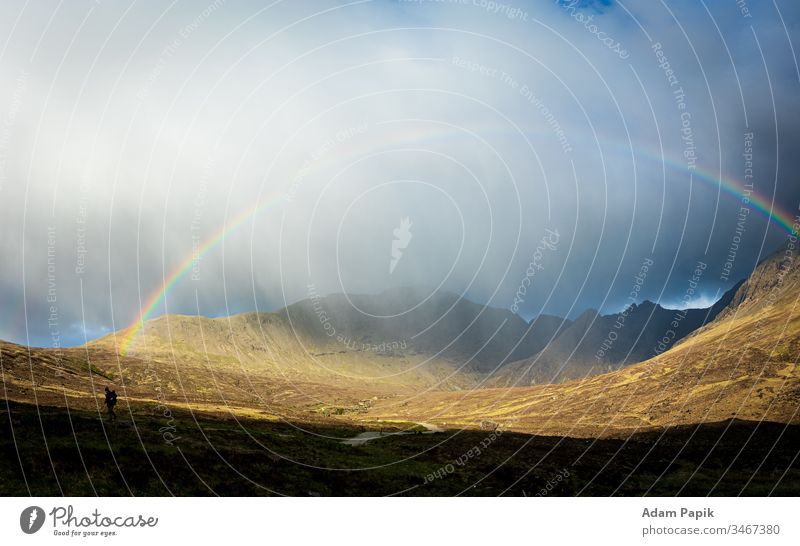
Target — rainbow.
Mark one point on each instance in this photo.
(183, 267)
(733, 188)
(729, 186)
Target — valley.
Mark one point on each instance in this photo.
(459, 407)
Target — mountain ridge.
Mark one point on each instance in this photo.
(444, 330)
(742, 365)
(597, 343)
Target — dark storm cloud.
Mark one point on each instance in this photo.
(129, 137)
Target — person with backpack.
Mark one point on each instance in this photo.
(111, 401)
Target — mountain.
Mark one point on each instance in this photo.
(286, 362)
(774, 274)
(408, 337)
(595, 343)
(742, 365)
(400, 338)
(717, 413)
(444, 325)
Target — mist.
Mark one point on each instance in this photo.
(249, 155)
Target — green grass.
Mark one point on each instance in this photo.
(97, 371)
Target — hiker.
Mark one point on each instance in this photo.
(111, 401)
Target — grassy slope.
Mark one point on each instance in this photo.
(77, 377)
(573, 355)
(265, 345)
(742, 365)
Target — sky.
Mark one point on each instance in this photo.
(217, 157)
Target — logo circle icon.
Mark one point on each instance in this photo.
(31, 519)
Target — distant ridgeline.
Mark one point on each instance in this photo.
(445, 334)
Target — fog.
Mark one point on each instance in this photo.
(269, 148)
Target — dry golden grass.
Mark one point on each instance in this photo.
(743, 366)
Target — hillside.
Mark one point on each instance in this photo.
(284, 365)
(446, 342)
(595, 343)
(774, 275)
(75, 378)
(442, 342)
(441, 325)
(742, 365)
(717, 414)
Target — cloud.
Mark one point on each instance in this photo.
(136, 134)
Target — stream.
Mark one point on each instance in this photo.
(364, 437)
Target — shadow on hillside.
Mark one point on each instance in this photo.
(144, 455)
